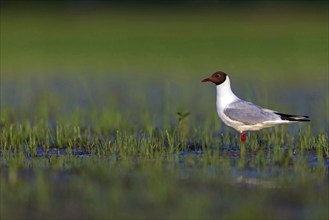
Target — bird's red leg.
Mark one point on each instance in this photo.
(243, 137)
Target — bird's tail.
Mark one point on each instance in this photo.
(292, 117)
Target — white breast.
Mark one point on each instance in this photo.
(224, 97)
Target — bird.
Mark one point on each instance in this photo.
(242, 115)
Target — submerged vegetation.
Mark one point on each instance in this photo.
(103, 119)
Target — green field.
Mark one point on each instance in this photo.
(89, 124)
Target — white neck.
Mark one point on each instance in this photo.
(224, 94)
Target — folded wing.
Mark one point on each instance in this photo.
(249, 114)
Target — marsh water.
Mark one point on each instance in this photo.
(87, 98)
(161, 98)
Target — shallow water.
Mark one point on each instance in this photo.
(251, 174)
(64, 96)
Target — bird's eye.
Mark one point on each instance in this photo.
(218, 75)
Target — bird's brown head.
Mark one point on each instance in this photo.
(218, 78)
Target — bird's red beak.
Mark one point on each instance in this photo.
(206, 80)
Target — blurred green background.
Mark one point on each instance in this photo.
(289, 41)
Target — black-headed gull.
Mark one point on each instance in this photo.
(245, 116)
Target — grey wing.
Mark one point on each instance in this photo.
(248, 113)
